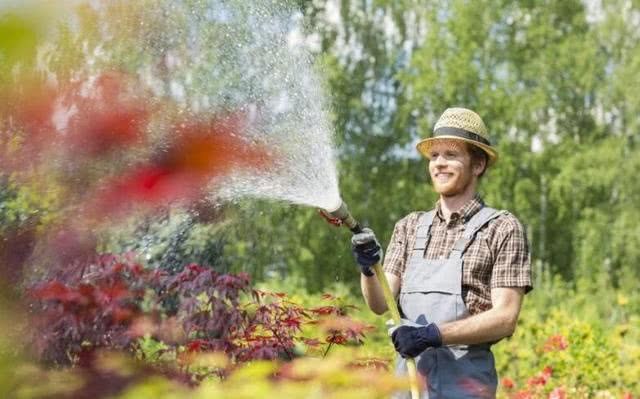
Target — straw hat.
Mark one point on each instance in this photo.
(464, 125)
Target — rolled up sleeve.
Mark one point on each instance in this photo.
(396, 255)
(512, 267)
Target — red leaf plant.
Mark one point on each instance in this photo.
(113, 301)
(274, 329)
(94, 311)
(334, 321)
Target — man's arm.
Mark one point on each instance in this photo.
(372, 291)
(491, 325)
(393, 265)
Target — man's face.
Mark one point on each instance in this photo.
(450, 167)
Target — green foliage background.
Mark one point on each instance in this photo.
(555, 83)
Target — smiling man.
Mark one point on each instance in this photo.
(459, 271)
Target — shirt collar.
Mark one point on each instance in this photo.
(466, 212)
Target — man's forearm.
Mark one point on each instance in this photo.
(488, 326)
(492, 325)
(372, 293)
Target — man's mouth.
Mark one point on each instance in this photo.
(443, 177)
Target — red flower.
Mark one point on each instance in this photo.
(555, 343)
(542, 378)
(507, 383)
(524, 394)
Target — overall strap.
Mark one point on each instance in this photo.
(423, 232)
(477, 222)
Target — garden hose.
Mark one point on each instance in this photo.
(342, 216)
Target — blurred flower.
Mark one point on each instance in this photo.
(103, 114)
(542, 378)
(507, 383)
(524, 394)
(183, 171)
(555, 343)
(558, 393)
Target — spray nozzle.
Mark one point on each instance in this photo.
(331, 219)
(341, 216)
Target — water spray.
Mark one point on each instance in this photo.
(340, 216)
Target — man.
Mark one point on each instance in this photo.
(459, 271)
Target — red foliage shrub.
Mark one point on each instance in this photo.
(95, 311)
(113, 301)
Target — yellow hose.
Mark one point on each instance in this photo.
(395, 316)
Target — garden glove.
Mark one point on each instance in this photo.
(367, 251)
(411, 341)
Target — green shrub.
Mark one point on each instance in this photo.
(585, 337)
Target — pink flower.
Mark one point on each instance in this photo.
(558, 393)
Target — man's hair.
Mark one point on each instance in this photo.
(477, 156)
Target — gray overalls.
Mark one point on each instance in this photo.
(431, 291)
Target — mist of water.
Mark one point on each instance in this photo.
(243, 57)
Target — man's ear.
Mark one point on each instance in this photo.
(479, 166)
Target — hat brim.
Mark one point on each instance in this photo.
(424, 145)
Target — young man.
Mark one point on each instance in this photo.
(459, 271)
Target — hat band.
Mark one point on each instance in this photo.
(465, 134)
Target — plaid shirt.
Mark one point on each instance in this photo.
(497, 257)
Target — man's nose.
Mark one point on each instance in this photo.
(438, 160)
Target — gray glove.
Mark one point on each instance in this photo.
(367, 251)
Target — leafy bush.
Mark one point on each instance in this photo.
(570, 343)
(173, 321)
(93, 312)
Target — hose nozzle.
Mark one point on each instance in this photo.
(342, 216)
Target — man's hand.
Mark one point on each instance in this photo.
(366, 249)
(412, 341)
